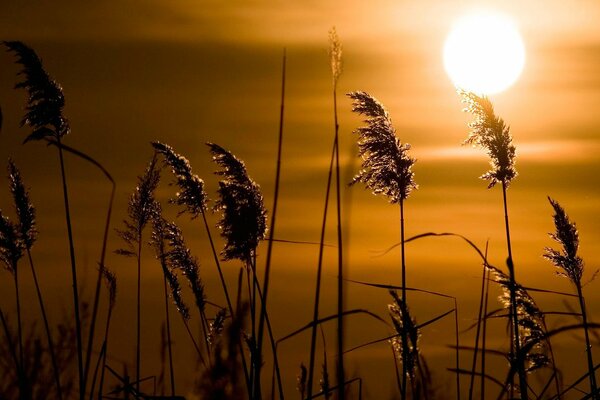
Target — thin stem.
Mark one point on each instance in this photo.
(588, 346)
(19, 325)
(341, 375)
(403, 262)
(272, 340)
(73, 273)
(101, 267)
(513, 301)
(138, 314)
(313, 339)
(263, 309)
(46, 327)
(457, 349)
(169, 341)
(105, 345)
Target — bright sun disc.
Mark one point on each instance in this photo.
(484, 53)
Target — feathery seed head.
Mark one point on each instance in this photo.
(567, 261)
(530, 317)
(11, 245)
(386, 167)
(406, 328)
(180, 257)
(335, 55)
(160, 229)
(244, 217)
(191, 195)
(489, 132)
(45, 101)
(141, 209)
(23, 206)
(301, 380)
(216, 326)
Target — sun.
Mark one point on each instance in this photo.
(484, 53)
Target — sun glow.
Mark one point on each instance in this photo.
(484, 53)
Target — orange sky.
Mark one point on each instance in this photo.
(186, 72)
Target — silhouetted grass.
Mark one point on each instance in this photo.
(35, 368)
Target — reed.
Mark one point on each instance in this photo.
(44, 115)
(571, 266)
(141, 208)
(488, 131)
(386, 170)
(27, 231)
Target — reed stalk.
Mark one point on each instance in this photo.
(265, 287)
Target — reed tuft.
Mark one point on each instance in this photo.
(23, 206)
(180, 257)
(191, 195)
(335, 55)
(568, 263)
(160, 231)
(45, 101)
(11, 246)
(406, 329)
(489, 132)
(386, 167)
(216, 326)
(141, 208)
(244, 217)
(531, 320)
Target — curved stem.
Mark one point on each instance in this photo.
(73, 273)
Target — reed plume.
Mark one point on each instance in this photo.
(11, 245)
(531, 321)
(488, 131)
(141, 208)
(216, 326)
(406, 329)
(386, 167)
(244, 218)
(23, 206)
(570, 265)
(160, 232)
(180, 257)
(44, 114)
(45, 102)
(191, 194)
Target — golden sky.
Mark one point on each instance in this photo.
(187, 72)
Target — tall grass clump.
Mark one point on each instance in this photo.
(27, 233)
(44, 115)
(386, 170)
(488, 131)
(570, 266)
(243, 225)
(141, 208)
(335, 61)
